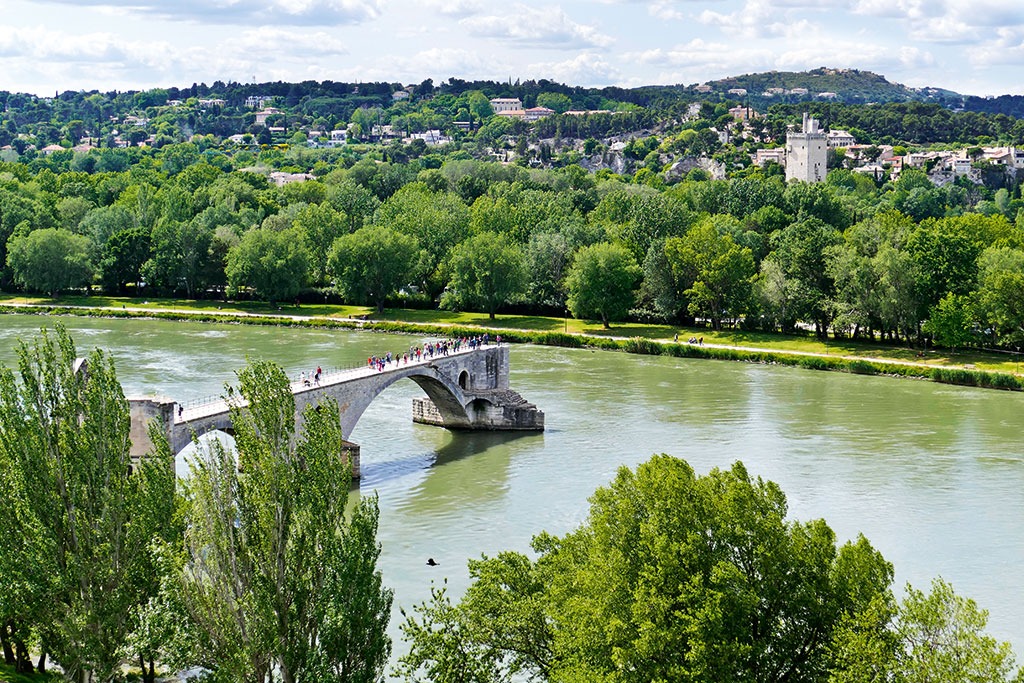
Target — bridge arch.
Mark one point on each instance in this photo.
(446, 395)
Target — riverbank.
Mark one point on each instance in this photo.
(969, 369)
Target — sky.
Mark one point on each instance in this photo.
(975, 47)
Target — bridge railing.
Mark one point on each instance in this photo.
(327, 376)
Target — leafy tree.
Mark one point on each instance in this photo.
(601, 282)
(801, 251)
(127, 251)
(719, 272)
(50, 260)
(547, 261)
(82, 513)
(273, 264)
(354, 201)
(1001, 293)
(557, 101)
(951, 321)
(673, 577)
(181, 254)
(947, 257)
(279, 577)
(943, 639)
(320, 225)
(372, 263)
(438, 221)
(486, 272)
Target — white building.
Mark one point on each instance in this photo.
(840, 138)
(806, 153)
(500, 104)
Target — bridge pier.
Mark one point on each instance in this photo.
(496, 410)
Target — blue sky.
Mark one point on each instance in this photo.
(971, 46)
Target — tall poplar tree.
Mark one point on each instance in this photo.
(279, 578)
(78, 516)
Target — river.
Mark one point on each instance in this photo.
(932, 475)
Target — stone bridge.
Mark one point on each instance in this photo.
(467, 389)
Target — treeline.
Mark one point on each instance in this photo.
(905, 261)
(256, 568)
(910, 122)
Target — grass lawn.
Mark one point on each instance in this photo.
(8, 675)
(762, 340)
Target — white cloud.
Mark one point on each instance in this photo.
(758, 19)
(537, 27)
(260, 12)
(586, 69)
(280, 40)
(454, 8)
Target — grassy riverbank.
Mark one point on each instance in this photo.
(974, 368)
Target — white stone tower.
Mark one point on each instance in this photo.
(805, 153)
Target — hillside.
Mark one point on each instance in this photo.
(849, 85)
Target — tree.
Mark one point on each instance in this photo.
(278, 576)
(127, 251)
(438, 221)
(943, 639)
(273, 264)
(1001, 291)
(50, 260)
(951, 321)
(719, 272)
(801, 251)
(557, 101)
(180, 256)
(547, 259)
(486, 272)
(320, 225)
(83, 513)
(673, 577)
(372, 263)
(601, 282)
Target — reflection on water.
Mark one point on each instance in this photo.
(931, 474)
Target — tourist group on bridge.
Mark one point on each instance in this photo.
(430, 350)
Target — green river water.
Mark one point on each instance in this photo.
(933, 475)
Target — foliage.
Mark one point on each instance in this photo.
(662, 582)
(79, 514)
(274, 264)
(372, 263)
(487, 271)
(601, 282)
(50, 260)
(277, 574)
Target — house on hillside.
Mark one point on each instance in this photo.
(839, 138)
(776, 154)
(743, 113)
(263, 115)
(502, 104)
(519, 114)
(257, 101)
(537, 113)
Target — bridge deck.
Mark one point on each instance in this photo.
(208, 407)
